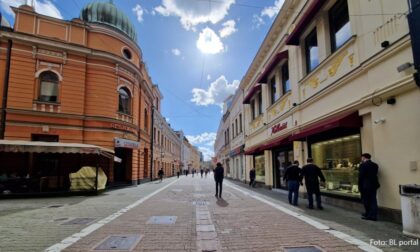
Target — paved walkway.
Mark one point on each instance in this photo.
(238, 222)
(175, 215)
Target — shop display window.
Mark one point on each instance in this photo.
(339, 160)
(259, 162)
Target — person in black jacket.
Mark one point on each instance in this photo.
(218, 178)
(252, 177)
(368, 185)
(160, 174)
(293, 179)
(311, 172)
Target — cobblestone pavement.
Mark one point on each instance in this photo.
(242, 221)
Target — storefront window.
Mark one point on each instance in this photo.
(259, 163)
(339, 160)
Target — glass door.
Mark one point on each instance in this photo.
(282, 159)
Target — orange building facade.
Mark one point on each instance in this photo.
(78, 82)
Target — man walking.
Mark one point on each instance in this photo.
(368, 185)
(311, 172)
(292, 177)
(218, 178)
(252, 177)
(160, 174)
(201, 172)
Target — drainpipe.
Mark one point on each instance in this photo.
(5, 89)
(152, 143)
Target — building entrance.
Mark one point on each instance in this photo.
(282, 159)
(122, 170)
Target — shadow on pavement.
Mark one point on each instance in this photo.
(222, 203)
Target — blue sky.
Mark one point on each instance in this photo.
(197, 51)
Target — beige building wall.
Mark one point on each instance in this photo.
(359, 77)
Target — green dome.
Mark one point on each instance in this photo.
(108, 14)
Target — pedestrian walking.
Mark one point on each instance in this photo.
(202, 172)
(218, 178)
(177, 173)
(293, 180)
(207, 171)
(252, 177)
(311, 172)
(160, 174)
(368, 185)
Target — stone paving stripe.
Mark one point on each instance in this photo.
(352, 240)
(119, 242)
(205, 228)
(86, 231)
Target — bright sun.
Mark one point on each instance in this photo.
(209, 42)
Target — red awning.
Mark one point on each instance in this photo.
(251, 93)
(280, 141)
(352, 120)
(253, 150)
(307, 17)
(279, 57)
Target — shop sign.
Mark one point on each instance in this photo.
(125, 143)
(280, 126)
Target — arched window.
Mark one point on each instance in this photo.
(124, 101)
(48, 87)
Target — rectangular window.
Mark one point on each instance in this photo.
(273, 90)
(339, 160)
(236, 126)
(259, 165)
(339, 24)
(285, 77)
(260, 108)
(253, 109)
(228, 135)
(233, 132)
(311, 51)
(240, 123)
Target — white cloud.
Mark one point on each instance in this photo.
(208, 42)
(207, 153)
(192, 13)
(176, 52)
(228, 28)
(272, 11)
(139, 11)
(44, 7)
(218, 91)
(208, 76)
(204, 138)
(257, 21)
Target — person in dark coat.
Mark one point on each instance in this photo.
(368, 185)
(293, 179)
(160, 174)
(252, 177)
(218, 178)
(311, 172)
